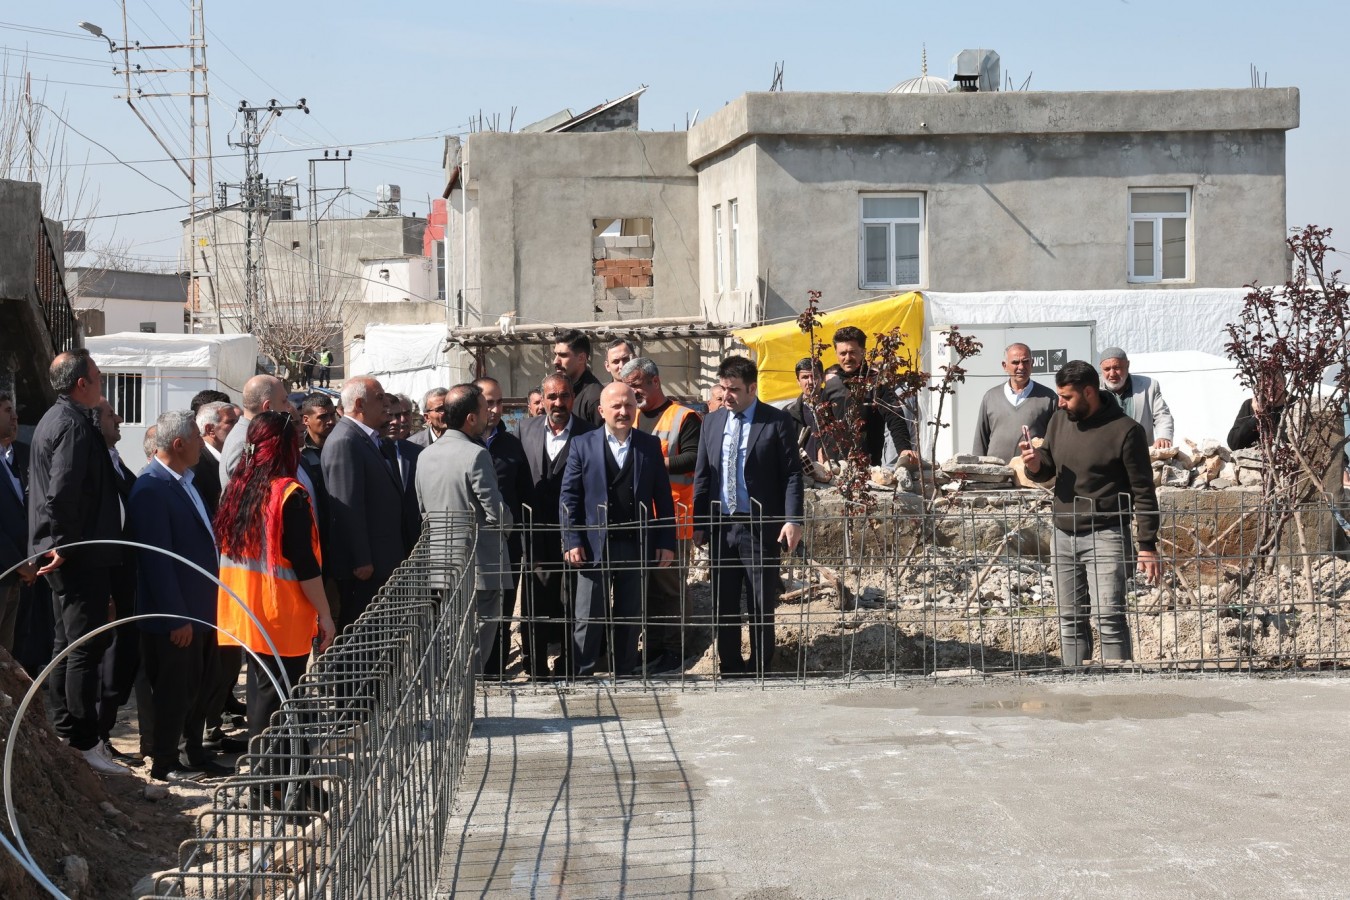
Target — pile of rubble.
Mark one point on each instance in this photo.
(1208, 464)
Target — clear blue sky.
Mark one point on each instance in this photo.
(386, 79)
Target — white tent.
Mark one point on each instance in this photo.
(407, 359)
(231, 358)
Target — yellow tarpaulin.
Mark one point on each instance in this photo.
(778, 347)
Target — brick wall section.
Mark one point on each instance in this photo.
(622, 277)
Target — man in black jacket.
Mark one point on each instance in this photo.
(1098, 457)
(73, 498)
(866, 407)
(546, 441)
(513, 480)
(572, 357)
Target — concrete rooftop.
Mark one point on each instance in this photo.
(1126, 787)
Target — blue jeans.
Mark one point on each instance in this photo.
(1089, 574)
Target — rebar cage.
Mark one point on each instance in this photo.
(347, 793)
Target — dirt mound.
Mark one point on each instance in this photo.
(94, 835)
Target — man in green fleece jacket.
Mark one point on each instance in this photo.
(1098, 457)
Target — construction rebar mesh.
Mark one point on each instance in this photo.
(348, 791)
(963, 586)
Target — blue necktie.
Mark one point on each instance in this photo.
(731, 458)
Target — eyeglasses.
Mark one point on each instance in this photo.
(433, 409)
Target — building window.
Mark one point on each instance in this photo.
(719, 263)
(892, 240)
(126, 393)
(1159, 220)
(734, 209)
(438, 256)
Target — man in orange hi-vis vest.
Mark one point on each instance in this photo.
(678, 428)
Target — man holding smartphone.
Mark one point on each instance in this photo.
(1098, 457)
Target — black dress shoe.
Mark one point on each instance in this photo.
(173, 776)
(207, 767)
(225, 744)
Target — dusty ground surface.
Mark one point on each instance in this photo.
(66, 810)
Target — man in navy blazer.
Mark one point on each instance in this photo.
(615, 477)
(179, 657)
(747, 504)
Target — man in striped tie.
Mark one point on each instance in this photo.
(747, 508)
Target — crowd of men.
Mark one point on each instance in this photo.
(589, 516)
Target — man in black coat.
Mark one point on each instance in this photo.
(122, 660)
(365, 493)
(73, 498)
(747, 504)
(546, 441)
(402, 453)
(572, 357)
(513, 481)
(13, 520)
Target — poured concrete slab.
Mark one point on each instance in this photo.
(1124, 787)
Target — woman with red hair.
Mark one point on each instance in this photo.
(269, 557)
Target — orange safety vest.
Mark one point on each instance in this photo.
(681, 486)
(270, 589)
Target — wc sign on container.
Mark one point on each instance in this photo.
(1048, 362)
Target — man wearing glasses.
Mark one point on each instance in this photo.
(1015, 403)
(433, 410)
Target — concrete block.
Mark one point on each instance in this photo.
(644, 240)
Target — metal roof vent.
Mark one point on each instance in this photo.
(977, 70)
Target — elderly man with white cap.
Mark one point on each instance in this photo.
(1139, 395)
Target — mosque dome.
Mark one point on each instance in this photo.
(923, 83)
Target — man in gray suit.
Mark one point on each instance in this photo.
(456, 474)
(365, 498)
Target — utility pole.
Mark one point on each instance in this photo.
(198, 167)
(255, 200)
(314, 216)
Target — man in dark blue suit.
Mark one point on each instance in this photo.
(747, 505)
(366, 495)
(179, 657)
(13, 520)
(615, 477)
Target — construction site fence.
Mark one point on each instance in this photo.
(347, 793)
(902, 587)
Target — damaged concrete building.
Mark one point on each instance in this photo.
(992, 196)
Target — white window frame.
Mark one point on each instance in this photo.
(864, 221)
(719, 261)
(734, 213)
(1153, 221)
(126, 393)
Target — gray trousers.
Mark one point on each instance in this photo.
(1089, 572)
(488, 612)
